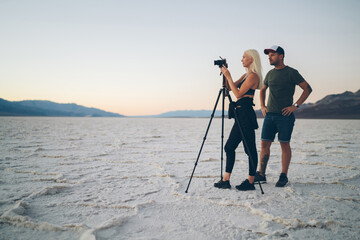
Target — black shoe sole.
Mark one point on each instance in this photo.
(243, 190)
(281, 184)
(262, 182)
(222, 187)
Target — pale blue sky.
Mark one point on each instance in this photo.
(148, 57)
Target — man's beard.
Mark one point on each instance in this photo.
(274, 63)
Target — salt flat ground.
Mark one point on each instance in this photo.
(125, 178)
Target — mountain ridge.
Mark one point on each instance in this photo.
(345, 105)
(51, 109)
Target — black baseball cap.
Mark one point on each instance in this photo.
(275, 48)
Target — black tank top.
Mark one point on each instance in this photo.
(251, 92)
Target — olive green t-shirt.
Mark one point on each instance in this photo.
(281, 83)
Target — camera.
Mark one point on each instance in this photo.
(220, 63)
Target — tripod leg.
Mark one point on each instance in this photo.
(237, 120)
(202, 145)
(222, 132)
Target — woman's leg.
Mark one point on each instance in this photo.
(250, 150)
(231, 144)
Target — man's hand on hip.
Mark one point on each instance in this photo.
(288, 110)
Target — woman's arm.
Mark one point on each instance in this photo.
(250, 81)
(236, 83)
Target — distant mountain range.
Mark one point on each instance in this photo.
(47, 108)
(336, 106)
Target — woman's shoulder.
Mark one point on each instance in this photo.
(253, 76)
(242, 77)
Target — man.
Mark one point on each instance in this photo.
(279, 118)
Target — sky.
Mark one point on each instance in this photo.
(144, 57)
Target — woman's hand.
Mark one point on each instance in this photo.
(226, 72)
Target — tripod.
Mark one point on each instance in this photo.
(222, 92)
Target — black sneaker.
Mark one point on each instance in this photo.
(245, 186)
(283, 180)
(260, 178)
(222, 184)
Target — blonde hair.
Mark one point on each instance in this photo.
(255, 65)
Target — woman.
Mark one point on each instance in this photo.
(244, 90)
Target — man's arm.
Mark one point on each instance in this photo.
(305, 94)
(262, 100)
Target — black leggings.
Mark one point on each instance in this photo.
(232, 143)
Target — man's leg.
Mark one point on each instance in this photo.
(285, 126)
(285, 157)
(285, 162)
(264, 156)
(268, 133)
